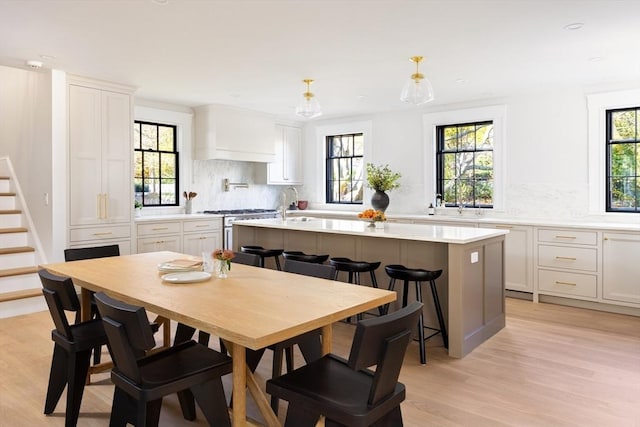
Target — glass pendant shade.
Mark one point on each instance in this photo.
(418, 89)
(309, 106)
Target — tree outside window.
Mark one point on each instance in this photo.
(155, 164)
(345, 168)
(623, 160)
(464, 161)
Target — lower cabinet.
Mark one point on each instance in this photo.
(188, 236)
(102, 236)
(518, 256)
(620, 267)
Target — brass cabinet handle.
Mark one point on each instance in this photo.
(568, 258)
(203, 226)
(558, 282)
(160, 228)
(504, 226)
(565, 237)
(105, 233)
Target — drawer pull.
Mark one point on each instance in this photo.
(203, 226)
(203, 238)
(105, 233)
(159, 241)
(504, 226)
(566, 258)
(160, 228)
(565, 237)
(565, 283)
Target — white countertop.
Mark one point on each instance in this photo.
(170, 217)
(416, 232)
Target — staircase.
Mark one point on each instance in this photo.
(20, 288)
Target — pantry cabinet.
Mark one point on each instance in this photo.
(287, 168)
(99, 131)
(620, 267)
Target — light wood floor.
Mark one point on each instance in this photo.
(551, 366)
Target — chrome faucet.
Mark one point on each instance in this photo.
(296, 194)
(460, 208)
(283, 196)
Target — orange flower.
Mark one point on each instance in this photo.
(372, 215)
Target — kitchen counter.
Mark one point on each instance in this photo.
(182, 217)
(471, 287)
(416, 232)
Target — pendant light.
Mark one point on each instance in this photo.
(418, 89)
(309, 106)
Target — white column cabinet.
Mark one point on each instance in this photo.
(99, 129)
(620, 267)
(518, 256)
(287, 168)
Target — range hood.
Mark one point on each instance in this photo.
(223, 132)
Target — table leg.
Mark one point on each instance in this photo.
(85, 304)
(327, 338)
(239, 414)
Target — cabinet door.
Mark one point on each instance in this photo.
(86, 199)
(116, 156)
(518, 257)
(620, 267)
(292, 162)
(159, 243)
(195, 244)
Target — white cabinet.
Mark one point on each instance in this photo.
(568, 263)
(201, 236)
(99, 129)
(287, 168)
(233, 134)
(159, 236)
(518, 256)
(188, 236)
(620, 267)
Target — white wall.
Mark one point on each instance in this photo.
(546, 157)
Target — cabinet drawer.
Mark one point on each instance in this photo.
(204, 225)
(154, 244)
(568, 257)
(158, 228)
(584, 285)
(99, 233)
(572, 237)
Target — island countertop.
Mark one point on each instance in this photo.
(415, 232)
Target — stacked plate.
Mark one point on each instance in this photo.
(180, 265)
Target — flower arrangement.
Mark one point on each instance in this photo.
(382, 178)
(224, 256)
(372, 215)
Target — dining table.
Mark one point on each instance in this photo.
(250, 309)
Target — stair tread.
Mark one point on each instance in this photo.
(18, 271)
(7, 194)
(4, 178)
(16, 295)
(16, 250)
(13, 230)
(10, 211)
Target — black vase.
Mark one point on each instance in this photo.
(380, 201)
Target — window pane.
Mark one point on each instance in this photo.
(347, 145)
(136, 136)
(357, 168)
(466, 138)
(358, 145)
(449, 194)
(167, 191)
(623, 125)
(450, 166)
(166, 138)
(465, 165)
(450, 139)
(335, 190)
(149, 137)
(484, 137)
(151, 164)
(358, 191)
(137, 164)
(345, 169)
(465, 192)
(484, 192)
(623, 193)
(336, 146)
(484, 165)
(152, 195)
(168, 165)
(623, 160)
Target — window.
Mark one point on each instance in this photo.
(464, 164)
(156, 164)
(623, 158)
(345, 168)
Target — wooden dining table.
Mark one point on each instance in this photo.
(251, 308)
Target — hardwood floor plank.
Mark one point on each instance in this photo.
(550, 366)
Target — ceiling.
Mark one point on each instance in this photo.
(254, 54)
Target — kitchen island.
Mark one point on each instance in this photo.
(471, 287)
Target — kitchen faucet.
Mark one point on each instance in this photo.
(460, 208)
(283, 196)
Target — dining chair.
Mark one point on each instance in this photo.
(141, 381)
(72, 348)
(347, 392)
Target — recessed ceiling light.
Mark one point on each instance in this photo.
(49, 57)
(160, 1)
(595, 59)
(574, 26)
(34, 64)
(361, 96)
(460, 81)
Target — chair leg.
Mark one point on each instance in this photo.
(211, 400)
(298, 416)
(392, 419)
(436, 302)
(77, 370)
(278, 263)
(187, 405)
(276, 371)
(374, 282)
(57, 379)
(392, 285)
(149, 413)
(423, 355)
(357, 282)
(123, 408)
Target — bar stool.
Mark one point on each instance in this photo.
(418, 275)
(264, 253)
(354, 268)
(301, 256)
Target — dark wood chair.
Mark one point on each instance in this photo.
(346, 392)
(76, 254)
(142, 381)
(72, 348)
(246, 258)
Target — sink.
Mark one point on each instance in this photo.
(300, 219)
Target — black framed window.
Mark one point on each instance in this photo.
(623, 160)
(345, 168)
(156, 164)
(464, 164)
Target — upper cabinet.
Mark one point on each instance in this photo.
(287, 168)
(233, 134)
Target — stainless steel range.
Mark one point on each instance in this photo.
(232, 215)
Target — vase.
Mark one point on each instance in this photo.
(380, 200)
(187, 207)
(221, 268)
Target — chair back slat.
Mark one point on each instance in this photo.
(60, 295)
(388, 369)
(76, 254)
(323, 271)
(370, 339)
(247, 259)
(129, 333)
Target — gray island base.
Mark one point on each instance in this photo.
(471, 287)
